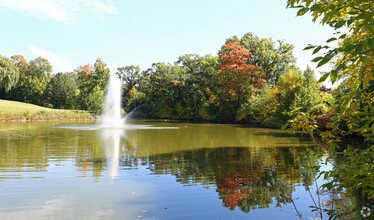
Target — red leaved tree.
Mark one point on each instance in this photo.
(239, 79)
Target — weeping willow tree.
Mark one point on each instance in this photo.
(8, 74)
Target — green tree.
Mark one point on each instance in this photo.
(33, 79)
(89, 78)
(260, 108)
(83, 75)
(183, 90)
(161, 84)
(40, 67)
(310, 93)
(274, 59)
(198, 86)
(290, 86)
(130, 76)
(61, 90)
(135, 99)
(95, 100)
(39, 72)
(101, 74)
(202, 69)
(9, 73)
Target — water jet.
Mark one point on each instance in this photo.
(111, 116)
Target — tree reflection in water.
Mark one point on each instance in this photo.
(248, 178)
(261, 170)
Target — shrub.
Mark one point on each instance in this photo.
(48, 105)
(319, 109)
(258, 109)
(323, 122)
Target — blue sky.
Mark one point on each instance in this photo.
(71, 33)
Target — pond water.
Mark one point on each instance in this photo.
(153, 170)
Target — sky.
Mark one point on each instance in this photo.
(72, 33)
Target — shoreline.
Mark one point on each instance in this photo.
(63, 119)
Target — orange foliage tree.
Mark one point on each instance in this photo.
(19, 60)
(235, 73)
(84, 71)
(239, 79)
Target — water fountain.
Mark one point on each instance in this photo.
(112, 127)
(111, 121)
(111, 117)
(112, 107)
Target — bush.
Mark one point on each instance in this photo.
(323, 122)
(327, 98)
(42, 112)
(258, 109)
(48, 105)
(319, 109)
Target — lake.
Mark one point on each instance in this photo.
(154, 170)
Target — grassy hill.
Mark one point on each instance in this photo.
(12, 110)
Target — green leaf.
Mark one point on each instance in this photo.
(371, 42)
(351, 12)
(298, 6)
(349, 47)
(339, 24)
(327, 17)
(317, 59)
(342, 36)
(331, 39)
(316, 50)
(315, 7)
(328, 186)
(358, 49)
(302, 11)
(350, 21)
(340, 66)
(309, 47)
(333, 76)
(323, 78)
(284, 127)
(323, 61)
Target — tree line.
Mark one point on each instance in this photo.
(252, 80)
(33, 82)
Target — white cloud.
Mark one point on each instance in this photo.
(66, 11)
(101, 6)
(59, 63)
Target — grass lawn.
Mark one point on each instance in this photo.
(12, 110)
(20, 107)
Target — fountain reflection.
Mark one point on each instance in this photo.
(111, 140)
